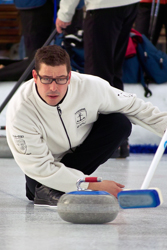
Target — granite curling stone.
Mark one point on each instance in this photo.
(87, 206)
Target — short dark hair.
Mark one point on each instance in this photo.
(52, 55)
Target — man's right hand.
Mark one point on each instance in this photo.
(60, 25)
(111, 187)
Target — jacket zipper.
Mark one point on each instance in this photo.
(60, 113)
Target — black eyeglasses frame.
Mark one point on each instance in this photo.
(53, 79)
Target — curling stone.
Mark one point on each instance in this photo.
(87, 206)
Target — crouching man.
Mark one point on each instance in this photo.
(62, 125)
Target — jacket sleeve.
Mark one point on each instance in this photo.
(32, 154)
(67, 10)
(137, 110)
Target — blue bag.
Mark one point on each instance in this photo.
(133, 73)
(73, 44)
(148, 65)
(153, 61)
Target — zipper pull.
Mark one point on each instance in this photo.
(59, 110)
(161, 60)
(145, 55)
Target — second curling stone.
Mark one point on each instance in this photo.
(87, 206)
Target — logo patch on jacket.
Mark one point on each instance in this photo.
(20, 143)
(125, 94)
(80, 117)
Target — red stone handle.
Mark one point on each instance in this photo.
(93, 179)
(87, 179)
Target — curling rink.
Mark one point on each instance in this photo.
(24, 227)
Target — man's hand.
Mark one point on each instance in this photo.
(60, 25)
(111, 187)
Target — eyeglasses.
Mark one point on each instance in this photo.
(47, 80)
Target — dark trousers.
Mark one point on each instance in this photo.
(107, 134)
(37, 25)
(142, 22)
(106, 35)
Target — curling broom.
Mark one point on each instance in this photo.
(144, 197)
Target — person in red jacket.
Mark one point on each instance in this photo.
(142, 21)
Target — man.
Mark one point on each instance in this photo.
(62, 125)
(37, 20)
(107, 26)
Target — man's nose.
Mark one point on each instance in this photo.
(53, 86)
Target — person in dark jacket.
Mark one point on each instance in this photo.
(37, 19)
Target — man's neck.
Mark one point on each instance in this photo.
(46, 102)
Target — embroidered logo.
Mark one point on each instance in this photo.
(80, 117)
(124, 94)
(21, 144)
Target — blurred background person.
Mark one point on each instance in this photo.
(142, 22)
(37, 20)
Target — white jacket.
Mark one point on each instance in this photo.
(67, 8)
(37, 137)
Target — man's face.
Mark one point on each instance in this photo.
(52, 93)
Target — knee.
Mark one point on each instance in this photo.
(119, 123)
(123, 124)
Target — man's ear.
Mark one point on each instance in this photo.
(34, 74)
